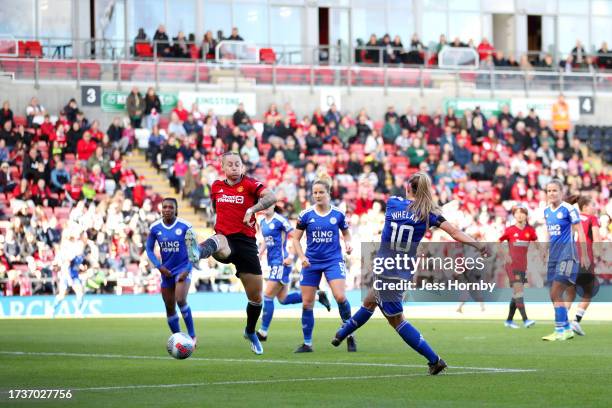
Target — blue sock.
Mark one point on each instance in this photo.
(414, 339)
(268, 312)
(560, 319)
(292, 298)
(359, 319)
(307, 325)
(173, 323)
(188, 318)
(345, 310)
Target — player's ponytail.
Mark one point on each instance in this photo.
(423, 203)
(581, 200)
(325, 180)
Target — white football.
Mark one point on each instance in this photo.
(180, 346)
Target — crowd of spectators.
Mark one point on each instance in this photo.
(385, 50)
(181, 46)
(481, 166)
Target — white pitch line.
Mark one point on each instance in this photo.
(256, 360)
(280, 380)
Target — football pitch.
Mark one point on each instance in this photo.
(123, 362)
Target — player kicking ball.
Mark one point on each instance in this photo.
(276, 231)
(170, 234)
(236, 200)
(406, 221)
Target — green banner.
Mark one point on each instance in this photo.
(487, 106)
(113, 101)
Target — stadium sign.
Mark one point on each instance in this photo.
(114, 101)
(487, 106)
(222, 103)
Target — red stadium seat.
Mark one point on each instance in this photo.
(267, 56)
(143, 50)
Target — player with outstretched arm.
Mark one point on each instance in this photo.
(406, 221)
(236, 200)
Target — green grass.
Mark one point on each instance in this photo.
(572, 373)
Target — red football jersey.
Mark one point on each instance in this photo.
(588, 223)
(518, 241)
(231, 203)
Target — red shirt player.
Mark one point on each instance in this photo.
(586, 281)
(236, 200)
(518, 236)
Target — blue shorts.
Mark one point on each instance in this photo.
(563, 271)
(280, 273)
(71, 282)
(171, 281)
(390, 302)
(311, 276)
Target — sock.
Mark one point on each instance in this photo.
(188, 318)
(292, 298)
(512, 310)
(414, 339)
(520, 305)
(173, 323)
(560, 319)
(345, 310)
(253, 311)
(356, 321)
(307, 325)
(79, 300)
(579, 314)
(208, 247)
(268, 312)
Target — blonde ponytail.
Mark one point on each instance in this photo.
(325, 180)
(423, 203)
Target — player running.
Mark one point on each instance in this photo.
(322, 224)
(518, 236)
(171, 234)
(406, 221)
(562, 221)
(236, 200)
(586, 278)
(276, 231)
(71, 263)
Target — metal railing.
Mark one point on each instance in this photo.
(96, 61)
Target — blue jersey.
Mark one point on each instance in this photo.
(403, 231)
(275, 234)
(171, 241)
(75, 264)
(559, 223)
(322, 234)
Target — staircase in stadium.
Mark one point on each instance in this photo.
(160, 185)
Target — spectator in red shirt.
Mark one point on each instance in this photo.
(96, 133)
(485, 49)
(139, 192)
(47, 129)
(74, 190)
(86, 147)
(42, 195)
(180, 111)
